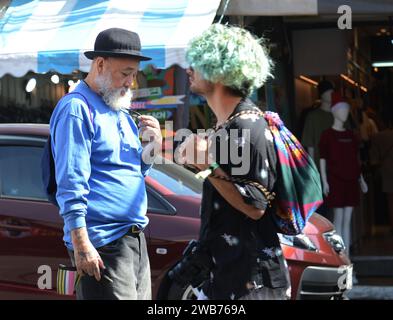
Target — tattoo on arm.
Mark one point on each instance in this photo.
(84, 255)
(78, 234)
(80, 240)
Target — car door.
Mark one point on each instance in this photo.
(31, 246)
(159, 248)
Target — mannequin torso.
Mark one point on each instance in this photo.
(340, 170)
(349, 154)
(317, 122)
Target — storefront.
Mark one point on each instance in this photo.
(349, 59)
(307, 46)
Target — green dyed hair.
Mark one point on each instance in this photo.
(232, 56)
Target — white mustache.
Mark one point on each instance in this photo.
(114, 98)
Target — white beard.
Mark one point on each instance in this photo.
(113, 97)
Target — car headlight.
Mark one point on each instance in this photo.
(300, 241)
(335, 240)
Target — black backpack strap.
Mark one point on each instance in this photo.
(270, 196)
(236, 115)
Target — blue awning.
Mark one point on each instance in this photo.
(51, 35)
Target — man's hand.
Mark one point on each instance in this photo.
(87, 259)
(195, 151)
(151, 138)
(150, 128)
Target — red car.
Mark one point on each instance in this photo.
(31, 229)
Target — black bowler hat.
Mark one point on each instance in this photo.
(116, 42)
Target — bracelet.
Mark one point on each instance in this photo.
(214, 166)
(202, 175)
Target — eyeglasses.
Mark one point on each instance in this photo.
(134, 114)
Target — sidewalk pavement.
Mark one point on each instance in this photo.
(369, 292)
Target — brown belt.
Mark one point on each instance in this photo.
(134, 229)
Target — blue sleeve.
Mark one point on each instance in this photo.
(145, 168)
(71, 144)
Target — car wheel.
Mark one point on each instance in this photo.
(176, 292)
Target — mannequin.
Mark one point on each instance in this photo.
(318, 121)
(325, 106)
(340, 169)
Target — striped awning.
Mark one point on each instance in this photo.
(51, 35)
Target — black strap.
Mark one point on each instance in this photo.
(270, 196)
(255, 111)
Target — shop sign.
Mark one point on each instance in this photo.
(164, 102)
(160, 115)
(147, 92)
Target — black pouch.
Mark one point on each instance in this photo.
(194, 268)
(271, 273)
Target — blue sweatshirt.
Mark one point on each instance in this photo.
(99, 170)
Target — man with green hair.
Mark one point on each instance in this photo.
(226, 65)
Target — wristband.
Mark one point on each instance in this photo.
(214, 166)
(202, 175)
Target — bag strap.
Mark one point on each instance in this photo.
(236, 115)
(270, 196)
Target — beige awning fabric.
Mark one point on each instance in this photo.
(304, 7)
(358, 7)
(270, 7)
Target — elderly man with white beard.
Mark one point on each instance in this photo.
(100, 172)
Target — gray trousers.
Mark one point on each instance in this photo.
(263, 293)
(127, 273)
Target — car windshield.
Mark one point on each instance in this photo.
(177, 179)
